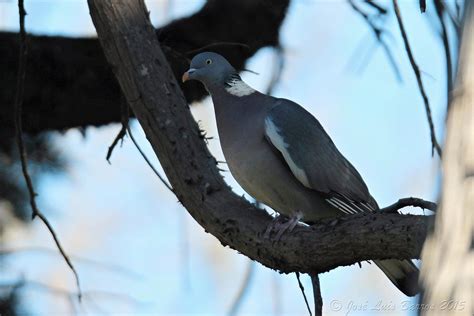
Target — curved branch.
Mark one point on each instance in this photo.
(146, 79)
(411, 201)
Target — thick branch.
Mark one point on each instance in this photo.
(148, 83)
(69, 83)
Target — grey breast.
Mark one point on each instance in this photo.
(254, 162)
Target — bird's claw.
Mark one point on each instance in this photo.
(282, 224)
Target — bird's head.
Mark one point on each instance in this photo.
(209, 68)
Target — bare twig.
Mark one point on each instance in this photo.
(125, 116)
(377, 6)
(304, 294)
(120, 135)
(455, 20)
(318, 300)
(411, 201)
(168, 186)
(440, 10)
(378, 32)
(20, 86)
(422, 6)
(243, 289)
(434, 142)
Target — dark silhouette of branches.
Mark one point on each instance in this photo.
(91, 96)
(434, 142)
(21, 146)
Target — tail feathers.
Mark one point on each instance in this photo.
(402, 273)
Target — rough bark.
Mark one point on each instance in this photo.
(448, 256)
(149, 85)
(69, 83)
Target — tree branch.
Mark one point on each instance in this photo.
(18, 105)
(318, 300)
(434, 142)
(131, 48)
(411, 201)
(69, 83)
(303, 293)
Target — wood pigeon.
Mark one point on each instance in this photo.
(281, 155)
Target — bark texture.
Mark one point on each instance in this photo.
(448, 256)
(69, 83)
(150, 87)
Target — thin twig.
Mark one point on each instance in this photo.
(411, 201)
(452, 17)
(377, 6)
(434, 142)
(422, 6)
(304, 294)
(243, 289)
(318, 300)
(61, 250)
(440, 10)
(378, 32)
(125, 116)
(168, 186)
(20, 86)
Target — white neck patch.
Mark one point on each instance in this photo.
(238, 88)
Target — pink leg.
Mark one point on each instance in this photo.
(281, 224)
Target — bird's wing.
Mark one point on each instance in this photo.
(314, 159)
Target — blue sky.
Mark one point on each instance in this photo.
(121, 214)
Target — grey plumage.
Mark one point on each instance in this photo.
(281, 155)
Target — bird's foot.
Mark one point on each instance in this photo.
(275, 225)
(282, 224)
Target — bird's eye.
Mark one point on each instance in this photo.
(208, 61)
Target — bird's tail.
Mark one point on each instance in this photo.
(402, 273)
